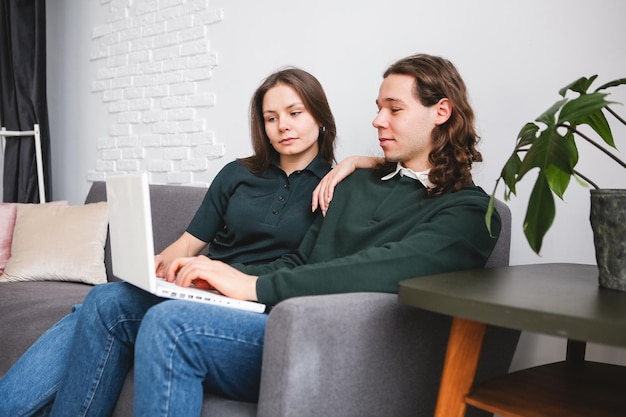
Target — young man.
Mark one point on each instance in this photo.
(416, 213)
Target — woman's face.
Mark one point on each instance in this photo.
(292, 130)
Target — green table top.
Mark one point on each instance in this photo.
(555, 299)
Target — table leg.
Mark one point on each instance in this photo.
(464, 346)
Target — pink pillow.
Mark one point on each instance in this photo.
(8, 212)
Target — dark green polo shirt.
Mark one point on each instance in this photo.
(255, 219)
(377, 233)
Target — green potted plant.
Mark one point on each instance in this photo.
(549, 145)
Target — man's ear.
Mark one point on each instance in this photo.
(444, 111)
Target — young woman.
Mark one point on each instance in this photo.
(256, 209)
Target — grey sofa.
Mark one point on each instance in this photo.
(356, 355)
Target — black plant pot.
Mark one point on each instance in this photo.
(608, 222)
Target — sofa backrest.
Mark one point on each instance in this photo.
(173, 207)
(502, 250)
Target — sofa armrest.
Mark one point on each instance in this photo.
(359, 354)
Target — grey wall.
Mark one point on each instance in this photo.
(514, 56)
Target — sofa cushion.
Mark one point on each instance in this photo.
(8, 211)
(56, 242)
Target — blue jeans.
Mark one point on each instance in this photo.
(179, 348)
(29, 387)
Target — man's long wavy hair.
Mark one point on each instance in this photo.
(454, 142)
(314, 99)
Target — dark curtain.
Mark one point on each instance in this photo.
(23, 100)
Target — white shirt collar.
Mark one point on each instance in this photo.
(407, 172)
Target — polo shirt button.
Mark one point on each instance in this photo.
(281, 198)
(274, 211)
(286, 185)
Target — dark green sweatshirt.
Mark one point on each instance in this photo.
(377, 233)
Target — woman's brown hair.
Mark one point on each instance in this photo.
(314, 98)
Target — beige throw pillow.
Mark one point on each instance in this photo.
(58, 243)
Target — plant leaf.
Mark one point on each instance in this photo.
(557, 180)
(597, 121)
(509, 171)
(579, 109)
(613, 83)
(550, 149)
(549, 116)
(540, 213)
(580, 86)
(526, 135)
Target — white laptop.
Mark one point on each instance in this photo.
(132, 247)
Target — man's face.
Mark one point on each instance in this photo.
(404, 124)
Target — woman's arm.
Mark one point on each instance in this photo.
(323, 193)
(185, 246)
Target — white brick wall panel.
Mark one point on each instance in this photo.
(117, 61)
(170, 77)
(175, 153)
(209, 17)
(198, 32)
(170, 3)
(119, 49)
(202, 138)
(152, 54)
(198, 74)
(194, 165)
(191, 126)
(139, 57)
(194, 48)
(106, 73)
(130, 34)
(133, 153)
(157, 91)
(112, 95)
(142, 44)
(105, 143)
(133, 92)
(98, 86)
(94, 176)
(157, 165)
(145, 6)
(111, 154)
(202, 100)
(107, 166)
(165, 39)
(121, 83)
(127, 141)
(174, 140)
(182, 89)
(154, 116)
(129, 117)
(194, 6)
(100, 30)
(145, 80)
(164, 128)
(119, 130)
(149, 67)
(150, 140)
(128, 165)
(173, 102)
(140, 104)
(118, 106)
(210, 151)
(178, 178)
(184, 22)
(154, 29)
(167, 52)
(127, 70)
(181, 114)
(98, 52)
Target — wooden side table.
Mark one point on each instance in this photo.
(556, 299)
